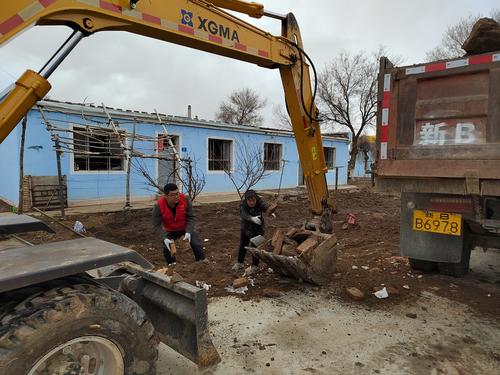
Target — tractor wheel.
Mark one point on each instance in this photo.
(77, 329)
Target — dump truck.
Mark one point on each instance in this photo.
(438, 144)
(89, 306)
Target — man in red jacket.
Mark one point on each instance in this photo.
(174, 212)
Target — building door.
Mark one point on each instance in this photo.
(301, 175)
(168, 167)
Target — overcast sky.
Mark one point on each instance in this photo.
(134, 72)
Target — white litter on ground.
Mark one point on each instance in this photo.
(382, 293)
(241, 290)
(203, 285)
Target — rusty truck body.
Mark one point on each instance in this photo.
(438, 143)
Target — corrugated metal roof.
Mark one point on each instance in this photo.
(151, 118)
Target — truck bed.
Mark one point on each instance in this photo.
(438, 129)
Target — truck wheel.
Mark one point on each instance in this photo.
(77, 329)
(457, 269)
(423, 265)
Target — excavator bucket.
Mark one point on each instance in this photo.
(316, 264)
(178, 312)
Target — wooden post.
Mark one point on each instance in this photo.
(59, 175)
(21, 167)
(336, 177)
(129, 165)
(190, 178)
(55, 139)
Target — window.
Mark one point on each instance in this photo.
(272, 156)
(219, 154)
(97, 149)
(330, 157)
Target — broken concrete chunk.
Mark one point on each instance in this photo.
(355, 294)
(240, 282)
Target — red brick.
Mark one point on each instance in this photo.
(393, 291)
(240, 283)
(291, 232)
(307, 245)
(277, 241)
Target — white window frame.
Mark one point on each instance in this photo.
(233, 143)
(334, 157)
(280, 164)
(79, 172)
(155, 151)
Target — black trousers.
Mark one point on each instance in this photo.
(195, 243)
(245, 241)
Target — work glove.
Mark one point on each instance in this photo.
(256, 220)
(187, 237)
(167, 243)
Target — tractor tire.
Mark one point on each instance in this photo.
(423, 265)
(74, 329)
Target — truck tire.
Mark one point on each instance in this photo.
(457, 269)
(423, 265)
(76, 329)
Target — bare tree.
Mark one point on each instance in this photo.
(187, 173)
(191, 177)
(347, 90)
(367, 148)
(249, 168)
(281, 119)
(455, 36)
(242, 108)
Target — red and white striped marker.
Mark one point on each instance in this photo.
(384, 129)
(459, 63)
(39, 5)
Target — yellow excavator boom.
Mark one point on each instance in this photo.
(197, 24)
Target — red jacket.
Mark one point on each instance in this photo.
(169, 222)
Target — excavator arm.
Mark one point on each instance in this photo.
(198, 24)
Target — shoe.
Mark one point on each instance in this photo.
(251, 270)
(237, 267)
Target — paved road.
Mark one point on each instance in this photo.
(306, 332)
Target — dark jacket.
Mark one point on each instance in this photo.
(248, 227)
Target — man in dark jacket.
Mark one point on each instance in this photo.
(174, 213)
(252, 208)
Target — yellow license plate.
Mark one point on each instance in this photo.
(437, 222)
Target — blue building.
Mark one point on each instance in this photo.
(94, 171)
(365, 158)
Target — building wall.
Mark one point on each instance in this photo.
(359, 169)
(40, 158)
(9, 167)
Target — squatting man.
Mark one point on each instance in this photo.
(174, 213)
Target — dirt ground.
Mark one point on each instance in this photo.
(306, 331)
(368, 253)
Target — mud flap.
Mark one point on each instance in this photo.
(178, 312)
(316, 266)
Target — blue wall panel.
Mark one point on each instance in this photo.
(40, 158)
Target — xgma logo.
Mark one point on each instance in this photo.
(209, 26)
